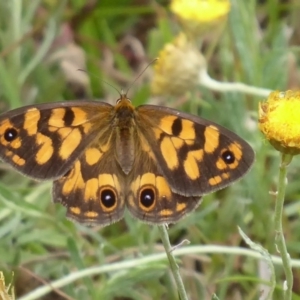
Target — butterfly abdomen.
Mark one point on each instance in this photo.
(125, 148)
(125, 133)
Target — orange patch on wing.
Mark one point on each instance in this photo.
(109, 180)
(225, 175)
(166, 124)
(87, 127)
(157, 133)
(57, 118)
(9, 153)
(215, 180)
(188, 130)
(220, 164)
(180, 206)
(163, 188)
(236, 150)
(16, 143)
(104, 148)
(91, 189)
(147, 178)
(45, 151)
(74, 180)
(18, 160)
(92, 156)
(52, 128)
(91, 214)
(177, 142)
(166, 212)
(32, 116)
(70, 143)
(191, 165)
(212, 136)
(80, 116)
(169, 153)
(64, 132)
(15, 158)
(75, 210)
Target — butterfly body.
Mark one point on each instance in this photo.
(154, 160)
(125, 132)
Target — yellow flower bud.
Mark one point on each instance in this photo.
(279, 121)
(199, 16)
(177, 69)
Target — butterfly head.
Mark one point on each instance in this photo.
(124, 110)
(123, 100)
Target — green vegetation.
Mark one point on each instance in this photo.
(42, 45)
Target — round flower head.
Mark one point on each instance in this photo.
(199, 16)
(279, 121)
(177, 68)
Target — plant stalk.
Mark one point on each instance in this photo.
(279, 238)
(174, 267)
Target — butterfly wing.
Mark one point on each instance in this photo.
(93, 190)
(149, 196)
(44, 140)
(195, 156)
(178, 158)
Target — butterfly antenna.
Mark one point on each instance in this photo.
(120, 93)
(136, 79)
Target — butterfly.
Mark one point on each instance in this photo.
(156, 161)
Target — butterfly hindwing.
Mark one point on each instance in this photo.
(150, 197)
(93, 190)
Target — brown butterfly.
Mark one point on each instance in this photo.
(154, 160)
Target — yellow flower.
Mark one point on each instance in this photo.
(198, 16)
(279, 121)
(177, 68)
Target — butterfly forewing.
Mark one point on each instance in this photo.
(196, 156)
(43, 141)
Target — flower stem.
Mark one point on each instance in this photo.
(279, 238)
(215, 85)
(174, 267)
